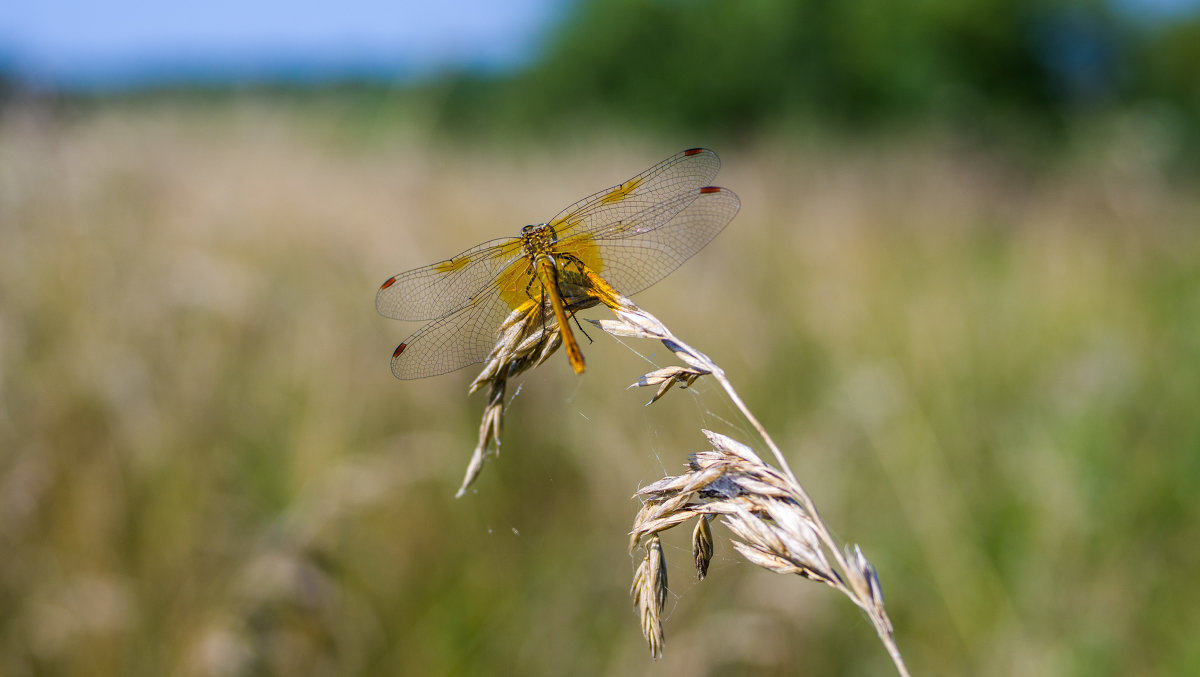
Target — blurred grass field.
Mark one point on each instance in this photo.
(983, 367)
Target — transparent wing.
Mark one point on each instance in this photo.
(439, 289)
(451, 342)
(681, 174)
(646, 247)
(633, 234)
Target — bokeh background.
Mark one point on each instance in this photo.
(963, 293)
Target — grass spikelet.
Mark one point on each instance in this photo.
(773, 520)
(702, 546)
(649, 593)
(524, 341)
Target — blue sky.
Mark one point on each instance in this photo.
(114, 43)
(119, 42)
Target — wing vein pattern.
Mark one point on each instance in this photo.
(635, 234)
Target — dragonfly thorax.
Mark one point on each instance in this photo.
(538, 240)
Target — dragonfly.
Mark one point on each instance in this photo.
(631, 236)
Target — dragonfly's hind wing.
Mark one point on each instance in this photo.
(460, 339)
(646, 247)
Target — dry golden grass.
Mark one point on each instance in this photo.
(765, 507)
(985, 367)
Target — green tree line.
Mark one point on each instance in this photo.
(726, 66)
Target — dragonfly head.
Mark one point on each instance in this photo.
(542, 230)
(538, 240)
(539, 236)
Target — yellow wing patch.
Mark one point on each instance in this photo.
(514, 286)
(621, 192)
(582, 248)
(452, 265)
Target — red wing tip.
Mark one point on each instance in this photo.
(710, 189)
(390, 282)
(399, 349)
(693, 151)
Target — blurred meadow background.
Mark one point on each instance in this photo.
(963, 293)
